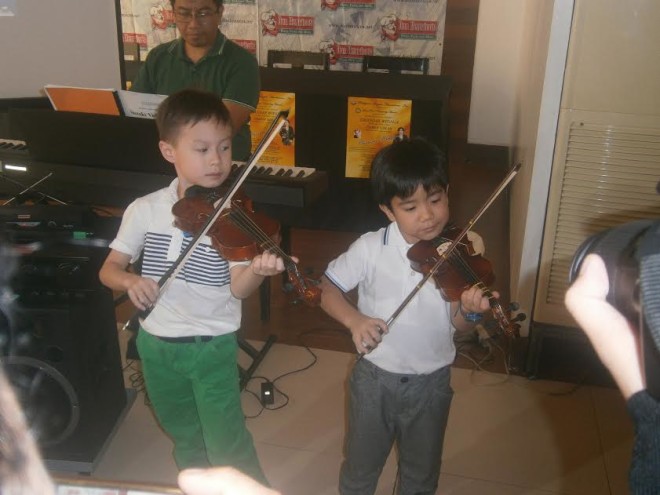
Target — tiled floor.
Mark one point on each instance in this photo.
(506, 435)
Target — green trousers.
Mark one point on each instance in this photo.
(195, 393)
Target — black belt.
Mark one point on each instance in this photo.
(186, 340)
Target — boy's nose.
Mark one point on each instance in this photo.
(426, 212)
(217, 158)
(217, 165)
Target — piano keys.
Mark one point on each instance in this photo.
(283, 186)
(77, 184)
(13, 145)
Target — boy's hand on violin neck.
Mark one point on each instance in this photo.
(473, 300)
(142, 291)
(267, 264)
(367, 333)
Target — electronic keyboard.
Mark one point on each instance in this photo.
(79, 184)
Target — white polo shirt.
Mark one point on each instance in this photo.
(420, 340)
(198, 301)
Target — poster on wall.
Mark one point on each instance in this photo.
(282, 150)
(372, 124)
(146, 24)
(346, 29)
(350, 29)
(239, 24)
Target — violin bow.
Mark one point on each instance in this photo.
(172, 272)
(443, 257)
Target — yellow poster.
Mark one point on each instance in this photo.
(373, 123)
(282, 150)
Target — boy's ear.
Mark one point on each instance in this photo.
(388, 213)
(167, 150)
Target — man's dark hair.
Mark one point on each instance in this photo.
(218, 3)
(188, 107)
(400, 168)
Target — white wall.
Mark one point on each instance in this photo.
(516, 93)
(547, 33)
(497, 64)
(72, 42)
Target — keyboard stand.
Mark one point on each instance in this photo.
(264, 304)
(257, 355)
(264, 299)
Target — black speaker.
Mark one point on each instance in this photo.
(63, 355)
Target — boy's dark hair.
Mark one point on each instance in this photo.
(218, 3)
(188, 107)
(400, 168)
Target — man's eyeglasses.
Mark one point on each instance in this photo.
(205, 15)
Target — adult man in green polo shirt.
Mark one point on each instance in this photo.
(204, 58)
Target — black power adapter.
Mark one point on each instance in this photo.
(267, 394)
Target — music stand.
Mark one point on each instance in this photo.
(298, 59)
(395, 65)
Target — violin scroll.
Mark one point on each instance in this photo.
(307, 289)
(508, 325)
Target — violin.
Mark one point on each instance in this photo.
(464, 268)
(239, 233)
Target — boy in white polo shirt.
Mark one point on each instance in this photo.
(400, 391)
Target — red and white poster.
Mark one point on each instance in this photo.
(346, 29)
(239, 24)
(147, 23)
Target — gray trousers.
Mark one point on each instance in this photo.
(386, 407)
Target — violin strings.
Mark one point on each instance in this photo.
(244, 222)
(494, 304)
(468, 273)
(248, 225)
(457, 260)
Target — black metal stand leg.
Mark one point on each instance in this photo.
(256, 355)
(534, 353)
(264, 299)
(285, 245)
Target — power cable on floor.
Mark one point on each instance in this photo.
(273, 381)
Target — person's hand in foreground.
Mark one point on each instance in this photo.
(612, 336)
(220, 481)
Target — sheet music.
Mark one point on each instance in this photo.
(103, 100)
(141, 105)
